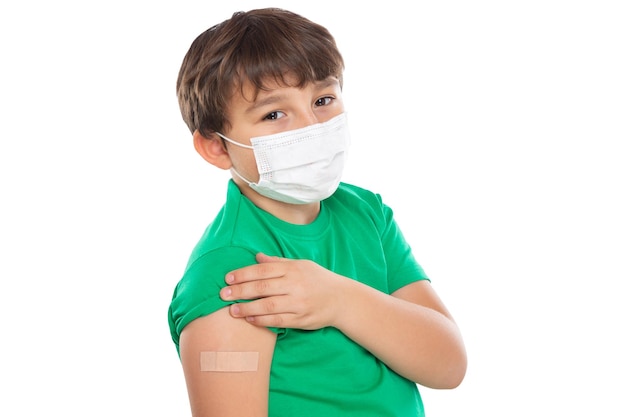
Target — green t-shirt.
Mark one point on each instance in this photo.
(322, 372)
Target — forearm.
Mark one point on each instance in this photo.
(418, 342)
(411, 331)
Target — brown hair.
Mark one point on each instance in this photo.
(256, 46)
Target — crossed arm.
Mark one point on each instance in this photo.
(411, 331)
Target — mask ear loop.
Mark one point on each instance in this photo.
(233, 142)
(240, 176)
(232, 168)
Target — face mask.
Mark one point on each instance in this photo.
(300, 166)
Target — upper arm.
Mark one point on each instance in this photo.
(226, 394)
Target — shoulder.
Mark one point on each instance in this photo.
(355, 195)
(359, 201)
(351, 191)
(204, 277)
(197, 292)
(226, 224)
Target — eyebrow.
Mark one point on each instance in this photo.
(274, 98)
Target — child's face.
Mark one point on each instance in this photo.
(277, 109)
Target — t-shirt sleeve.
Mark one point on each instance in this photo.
(197, 293)
(402, 267)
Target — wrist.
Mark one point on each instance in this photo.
(344, 302)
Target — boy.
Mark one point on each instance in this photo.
(302, 298)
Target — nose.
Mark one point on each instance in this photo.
(308, 118)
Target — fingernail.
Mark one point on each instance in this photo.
(230, 278)
(234, 310)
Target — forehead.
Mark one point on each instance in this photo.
(248, 92)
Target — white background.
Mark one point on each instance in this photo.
(494, 129)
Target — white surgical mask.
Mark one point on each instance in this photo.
(300, 166)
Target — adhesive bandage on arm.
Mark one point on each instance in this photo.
(229, 361)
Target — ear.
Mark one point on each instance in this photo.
(212, 150)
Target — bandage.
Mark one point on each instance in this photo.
(229, 361)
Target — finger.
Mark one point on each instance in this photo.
(255, 272)
(252, 290)
(263, 307)
(273, 320)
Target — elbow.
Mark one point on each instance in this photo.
(455, 364)
(455, 377)
(450, 372)
(454, 371)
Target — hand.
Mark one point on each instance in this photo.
(286, 293)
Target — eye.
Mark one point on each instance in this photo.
(323, 101)
(275, 115)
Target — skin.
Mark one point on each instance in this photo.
(416, 336)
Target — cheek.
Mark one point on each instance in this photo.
(245, 164)
(329, 112)
(251, 169)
